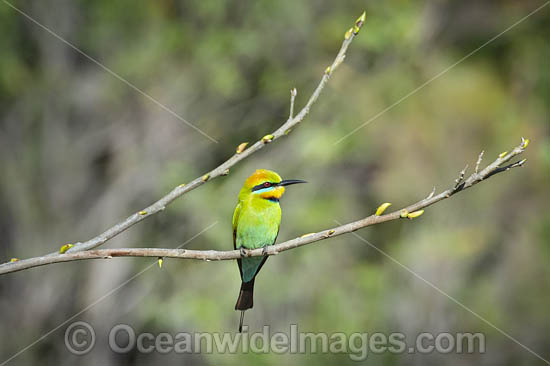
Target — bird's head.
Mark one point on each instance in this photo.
(266, 184)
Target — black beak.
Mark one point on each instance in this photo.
(288, 182)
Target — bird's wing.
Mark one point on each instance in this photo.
(235, 224)
(236, 214)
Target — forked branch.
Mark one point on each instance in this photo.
(409, 212)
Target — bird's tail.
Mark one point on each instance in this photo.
(246, 296)
(245, 300)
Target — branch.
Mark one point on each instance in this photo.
(409, 212)
(223, 169)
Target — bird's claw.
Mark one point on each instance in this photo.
(243, 252)
(264, 251)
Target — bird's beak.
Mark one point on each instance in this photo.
(288, 182)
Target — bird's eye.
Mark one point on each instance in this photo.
(267, 184)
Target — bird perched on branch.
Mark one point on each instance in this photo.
(256, 222)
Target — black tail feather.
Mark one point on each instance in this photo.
(246, 296)
(245, 300)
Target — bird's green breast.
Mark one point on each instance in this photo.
(256, 226)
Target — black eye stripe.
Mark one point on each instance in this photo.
(262, 186)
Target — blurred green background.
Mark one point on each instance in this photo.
(80, 150)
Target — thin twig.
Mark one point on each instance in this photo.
(222, 169)
(431, 194)
(460, 179)
(293, 94)
(212, 255)
(478, 162)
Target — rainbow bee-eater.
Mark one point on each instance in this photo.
(256, 223)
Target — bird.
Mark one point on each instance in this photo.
(256, 222)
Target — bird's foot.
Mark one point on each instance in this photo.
(243, 252)
(264, 251)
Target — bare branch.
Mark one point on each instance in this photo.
(213, 255)
(222, 169)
